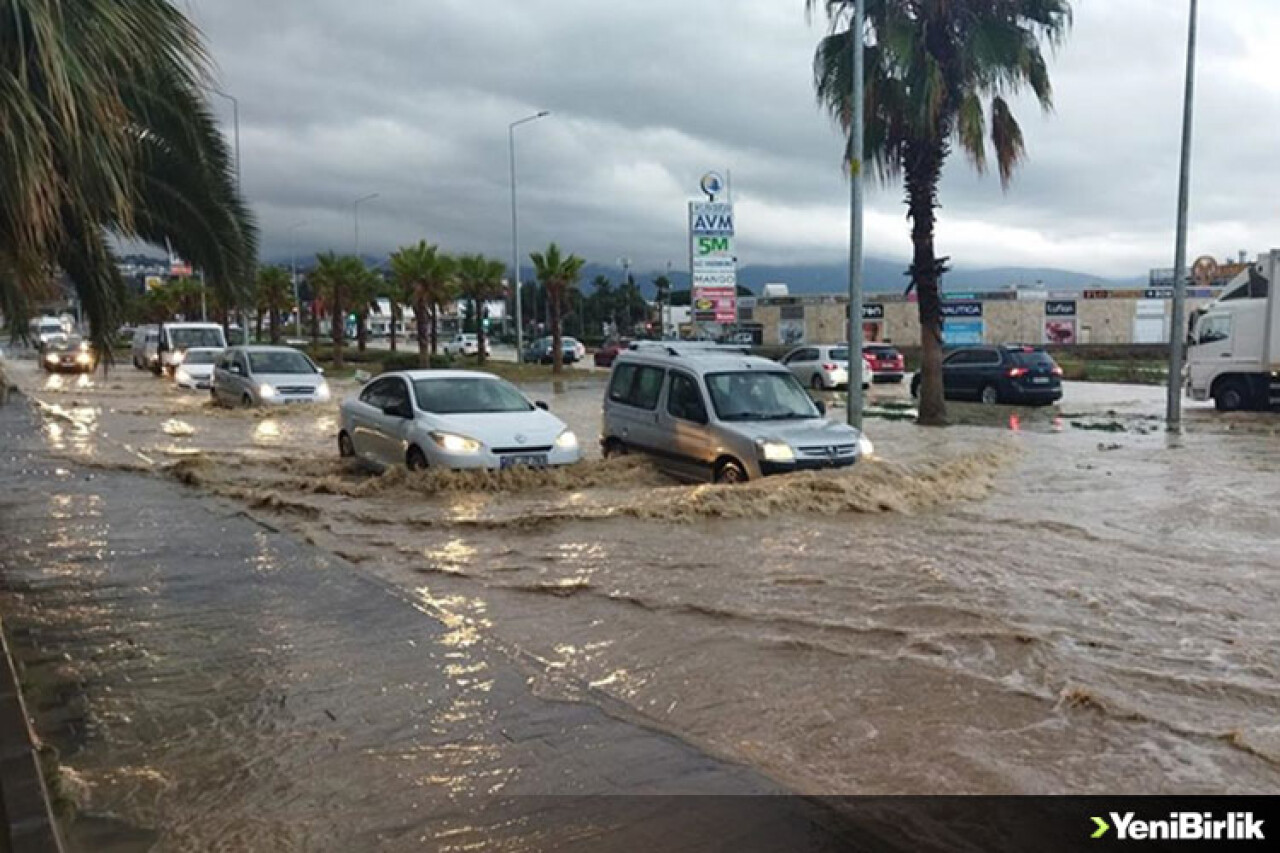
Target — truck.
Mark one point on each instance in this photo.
(1233, 349)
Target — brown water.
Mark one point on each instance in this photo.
(1059, 600)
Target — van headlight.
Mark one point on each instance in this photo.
(266, 391)
(179, 356)
(451, 443)
(567, 440)
(865, 447)
(775, 451)
(322, 391)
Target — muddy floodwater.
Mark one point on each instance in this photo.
(1032, 601)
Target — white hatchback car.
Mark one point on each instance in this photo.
(465, 344)
(824, 367)
(451, 419)
(195, 368)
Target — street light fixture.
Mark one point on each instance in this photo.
(355, 216)
(515, 238)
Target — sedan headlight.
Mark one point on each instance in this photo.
(776, 451)
(865, 447)
(451, 443)
(51, 358)
(266, 391)
(322, 391)
(83, 358)
(181, 375)
(567, 440)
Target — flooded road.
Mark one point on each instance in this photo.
(1034, 601)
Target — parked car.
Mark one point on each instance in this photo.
(465, 344)
(264, 375)
(196, 368)
(540, 352)
(719, 416)
(999, 374)
(605, 356)
(452, 419)
(887, 364)
(67, 354)
(824, 367)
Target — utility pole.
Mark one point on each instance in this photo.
(856, 120)
(1177, 332)
(355, 218)
(293, 278)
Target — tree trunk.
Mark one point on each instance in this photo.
(435, 329)
(479, 309)
(315, 322)
(257, 327)
(395, 315)
(273, 318)
(922, 168)
(553, 313)
(420, 320)
(337, 327)
(362, 334)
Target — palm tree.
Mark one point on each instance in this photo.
(480, 280)
(424, 275)
(937, 76)
(108, 133)
(363, 296)
(337, 280)
(274, 292)
(558, 275)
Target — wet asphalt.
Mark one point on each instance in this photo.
(226, 686)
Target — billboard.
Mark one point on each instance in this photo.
(1060, 331)
(712, 262)
(957, 331)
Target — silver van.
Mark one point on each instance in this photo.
(718, 415)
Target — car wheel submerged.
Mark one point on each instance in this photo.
(730, 473)
(613, 448)
(415, 459)
(346, 449)
(1231, 396)
(246, 401)
(990, 395)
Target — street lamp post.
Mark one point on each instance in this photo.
(293, 278)
(856, 119)
(235, 119)
(355, 217)
(515, 232)
(1177, 334)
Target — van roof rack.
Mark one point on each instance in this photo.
(689, 348)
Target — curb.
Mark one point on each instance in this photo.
(24, 801)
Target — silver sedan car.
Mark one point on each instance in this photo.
(452, 419)
(824, 367)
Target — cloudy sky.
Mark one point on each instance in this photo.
(411, 99)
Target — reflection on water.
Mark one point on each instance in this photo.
(267, 432)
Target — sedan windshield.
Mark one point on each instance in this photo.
(282, 361)
(207, 356)
(468, 395)
(754, 396)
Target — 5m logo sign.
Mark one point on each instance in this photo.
(711, 246)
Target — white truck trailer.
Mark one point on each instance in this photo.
(1233, 351)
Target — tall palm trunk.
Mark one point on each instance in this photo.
(420, 319)
(553, 313)
(922, 168)
(273, 318)
(435, 328)
(362, 334)
(337, 328)
(480, 332)
(257, 326)
(315, 322)
(395, 316)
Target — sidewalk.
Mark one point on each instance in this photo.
(209, 681)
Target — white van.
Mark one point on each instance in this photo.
(41, 329)
(161, 349)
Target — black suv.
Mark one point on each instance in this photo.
(999, 374)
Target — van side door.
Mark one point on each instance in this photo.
(684, 422)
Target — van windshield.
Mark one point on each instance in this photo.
(188, 338)
(755, 396)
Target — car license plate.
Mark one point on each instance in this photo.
(534, 460)
(1040, 380)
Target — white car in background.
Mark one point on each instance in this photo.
(195, 369)
(451, 419)
(267, 376)
(465, 344)
(823, 368)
